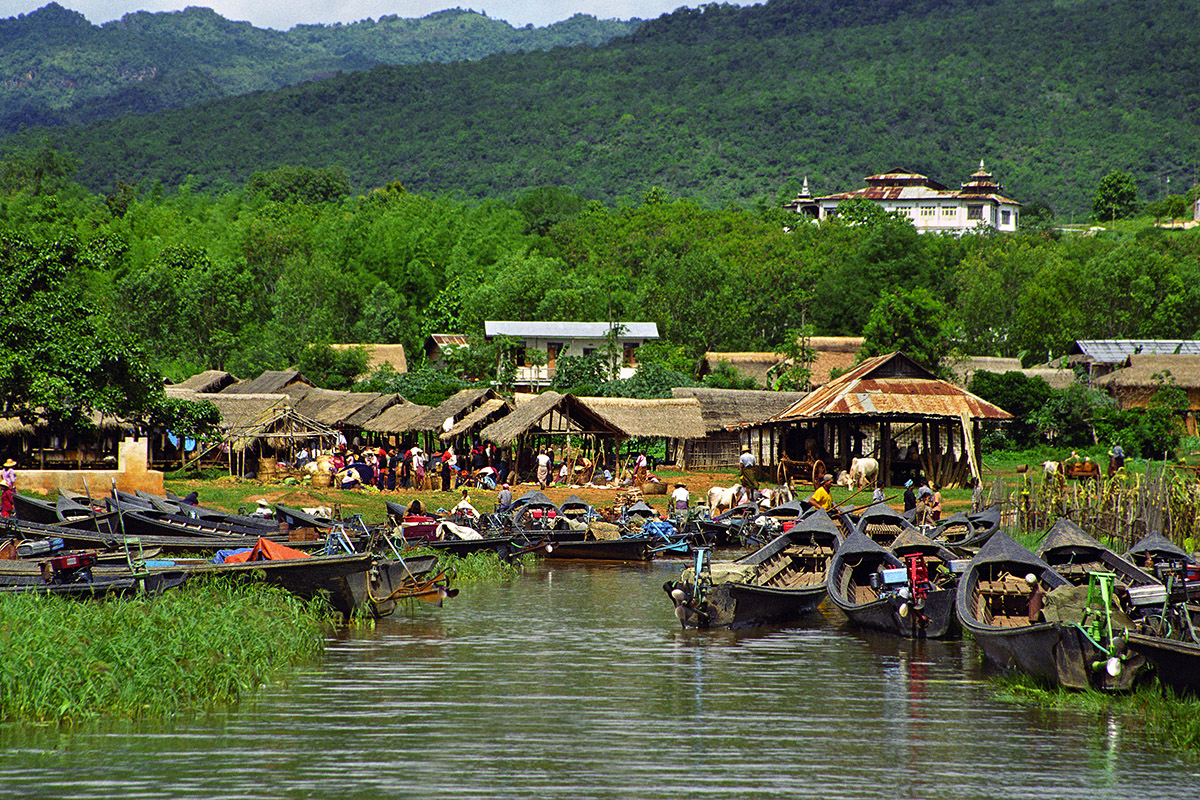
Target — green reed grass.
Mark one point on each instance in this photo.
(483, 566)
(211, 641)
(1164, 716)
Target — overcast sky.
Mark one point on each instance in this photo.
(283, 15)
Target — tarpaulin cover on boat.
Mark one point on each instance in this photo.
(266, 550)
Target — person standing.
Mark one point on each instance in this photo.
(749, 481)
(680, 499)
(935, 502)
(447, 455)
(910, 497)
(8, 489)
(543, 469)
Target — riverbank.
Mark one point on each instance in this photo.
(210, 641)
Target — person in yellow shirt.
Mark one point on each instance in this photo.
(821, 497)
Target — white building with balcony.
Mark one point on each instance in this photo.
(556, 339)
(932, 207)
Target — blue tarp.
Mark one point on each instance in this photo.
(221, 555)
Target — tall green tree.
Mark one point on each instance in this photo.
(912, 321)
(1115, 198)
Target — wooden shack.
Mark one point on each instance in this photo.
(889, 408)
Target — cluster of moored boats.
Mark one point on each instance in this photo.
(1073, 614)
(125, 544)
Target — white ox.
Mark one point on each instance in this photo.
(721, 499)
(862, 472)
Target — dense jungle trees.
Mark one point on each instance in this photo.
(250, 279)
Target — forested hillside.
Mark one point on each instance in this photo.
(726, 104)
(56, 68)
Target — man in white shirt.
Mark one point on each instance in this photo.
(749, 480)
(679, 499)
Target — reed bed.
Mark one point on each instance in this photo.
(483, 566)
(211, 641)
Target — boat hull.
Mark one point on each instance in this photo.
(937, 620)
(1177, 664)
(744, 605)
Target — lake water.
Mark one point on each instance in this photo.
(575, 681)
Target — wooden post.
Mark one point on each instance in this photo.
(885, 454)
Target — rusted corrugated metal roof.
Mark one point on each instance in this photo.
(891, 385)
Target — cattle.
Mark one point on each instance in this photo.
(862, 472)
(721, 499)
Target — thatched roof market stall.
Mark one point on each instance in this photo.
(677, 420)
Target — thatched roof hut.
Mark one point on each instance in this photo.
(723, 412)
(676, 418)
(479, 418)
(398, 419)
(550, 414)
(380, 354)
(1142, 375)
(331, 407)
(455, 406)
(722, 409)
(270, 382)
(1058, 378)
(208, 382)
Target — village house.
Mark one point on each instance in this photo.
(1099, 357)
(931, 207)
(555, 339)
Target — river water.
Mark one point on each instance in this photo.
(575, 681)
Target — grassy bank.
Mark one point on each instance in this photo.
(479, 567)
(211, 641)
(1154, 710)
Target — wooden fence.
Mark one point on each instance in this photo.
(1119, 511)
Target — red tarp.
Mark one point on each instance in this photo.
(266, 550)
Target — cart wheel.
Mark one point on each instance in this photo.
(818, 472)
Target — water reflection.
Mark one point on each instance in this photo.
(576, 681)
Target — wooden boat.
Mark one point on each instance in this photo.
(726, 529)
(107, 585)
(878, 589)
(34, 509)
(576, 507)
(764, 526)
(390, 581)
(780, 582)
(639, 511)
(1154, 548)
(985, 522)
(212, 516)
(626, 548)
(882, 524)
(313, 576)
(536, 512)
(134, 520)
(1073, 554)
(955, 529)
(1175, 662)
(1003, 602)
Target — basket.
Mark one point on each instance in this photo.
(322, 480)
(654, 487)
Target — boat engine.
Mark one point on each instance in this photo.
(69, 568)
